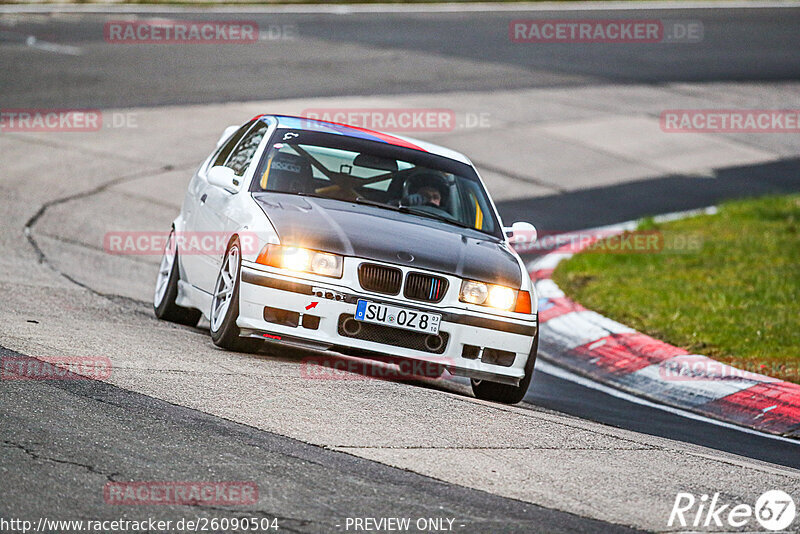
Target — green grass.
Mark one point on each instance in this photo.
(735, 298)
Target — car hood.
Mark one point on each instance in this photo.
(374, 233)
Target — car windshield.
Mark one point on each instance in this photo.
(379, 174)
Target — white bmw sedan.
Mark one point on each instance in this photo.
(339, 238)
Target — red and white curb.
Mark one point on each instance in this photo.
(615, 355)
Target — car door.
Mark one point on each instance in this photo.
(191, 253)
(214, 219)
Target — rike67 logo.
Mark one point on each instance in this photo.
(774, 510)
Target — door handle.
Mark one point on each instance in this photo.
(203, 198)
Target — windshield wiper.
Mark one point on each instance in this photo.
(429, 215)
(368, 202)
(411, 210)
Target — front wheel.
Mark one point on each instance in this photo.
(167, 288)
(225, 304)
(505, 393)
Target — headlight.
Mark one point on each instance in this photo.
(296, 259)
(499, 297)
(473, 292)
(301, 260)
(502, 298)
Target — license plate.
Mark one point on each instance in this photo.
(372, 312)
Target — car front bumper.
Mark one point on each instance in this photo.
(290, 309)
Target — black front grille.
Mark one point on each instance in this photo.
(425, 287)
(397, 337)
(380, 279)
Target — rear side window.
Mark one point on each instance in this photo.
(242, 155)
(227, 148)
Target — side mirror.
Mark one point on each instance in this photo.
(520, 232)
(223, 177)
(226, 134)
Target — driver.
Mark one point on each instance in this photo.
(426, 189)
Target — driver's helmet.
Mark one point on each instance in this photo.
(429, 179)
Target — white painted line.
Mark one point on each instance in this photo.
(667, 217)
(559, 372)
(346, 9)
(33, 42)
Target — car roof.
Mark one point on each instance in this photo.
(315, 125)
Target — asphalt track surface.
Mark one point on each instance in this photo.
(351, 486)
(383, 53)
(370, 54)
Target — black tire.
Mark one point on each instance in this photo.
(167, 310)
(506, 393)
(228, 335)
